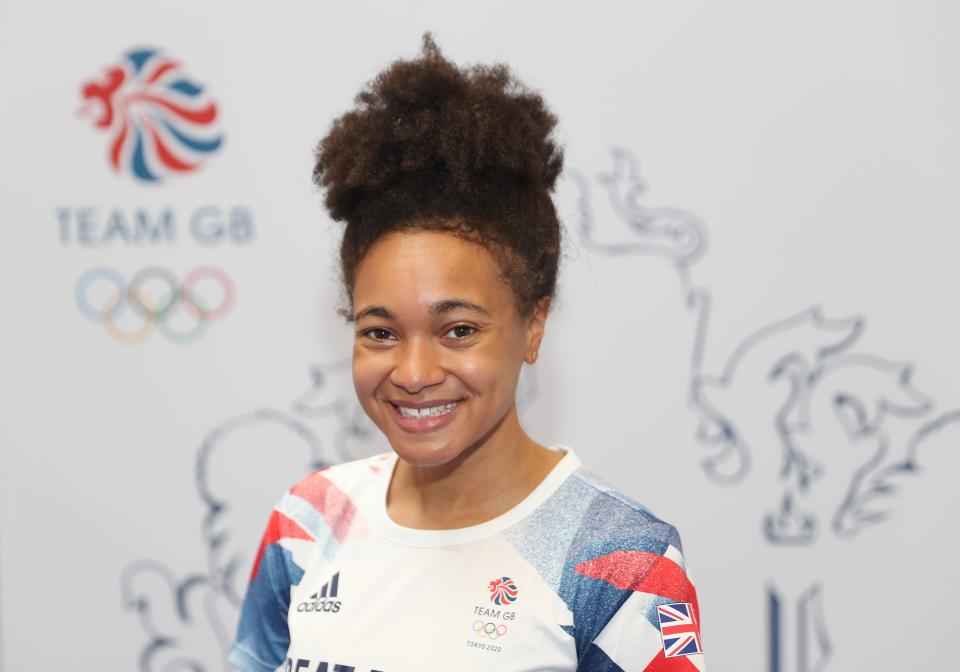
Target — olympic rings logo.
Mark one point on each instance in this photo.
(489, 630)
(167, 311)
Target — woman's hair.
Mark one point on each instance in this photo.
(430, 146)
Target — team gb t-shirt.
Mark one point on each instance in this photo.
(575, 577)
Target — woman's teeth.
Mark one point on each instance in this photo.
(430, 412)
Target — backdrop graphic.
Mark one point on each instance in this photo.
(149, 107)
(756, 427)
(754, 334)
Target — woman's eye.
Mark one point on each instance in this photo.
(461, 331)
(378, 334)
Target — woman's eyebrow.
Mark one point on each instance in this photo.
(446, 305)
(436, 308)
(374, 311)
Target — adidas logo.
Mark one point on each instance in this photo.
(324, 600)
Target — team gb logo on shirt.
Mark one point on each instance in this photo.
(503, 591)
(161, 122)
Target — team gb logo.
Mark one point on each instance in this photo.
(161, 122)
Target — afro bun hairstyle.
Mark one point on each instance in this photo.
(432, 146)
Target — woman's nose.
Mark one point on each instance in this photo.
(417, 365)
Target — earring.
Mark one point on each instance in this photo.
(533, 357)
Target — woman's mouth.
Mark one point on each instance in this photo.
(422, 418)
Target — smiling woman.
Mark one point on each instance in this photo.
(436, 360)
(510, 554)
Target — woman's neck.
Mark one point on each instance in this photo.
(481, 483)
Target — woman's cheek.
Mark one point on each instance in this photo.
(480, 370)
(369, 371)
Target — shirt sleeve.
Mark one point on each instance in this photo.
(263, 635)
(656, 627)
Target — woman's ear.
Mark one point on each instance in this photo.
(535, 327)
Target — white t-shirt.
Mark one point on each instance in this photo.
(574, 577)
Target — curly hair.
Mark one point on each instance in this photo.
(431, 146)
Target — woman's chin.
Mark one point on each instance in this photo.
(426, 455)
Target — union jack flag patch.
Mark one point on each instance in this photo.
(679, 629)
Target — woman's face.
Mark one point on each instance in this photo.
(439, 344)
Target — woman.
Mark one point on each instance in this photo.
(471, 546)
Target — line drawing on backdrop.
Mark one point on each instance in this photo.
(189, 621)
(154, 312)
(161, 121)
(829, 391)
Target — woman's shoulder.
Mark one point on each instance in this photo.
(611, 517)
(622, 566)
(325, 501)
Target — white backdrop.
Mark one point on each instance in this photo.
(755, 335)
